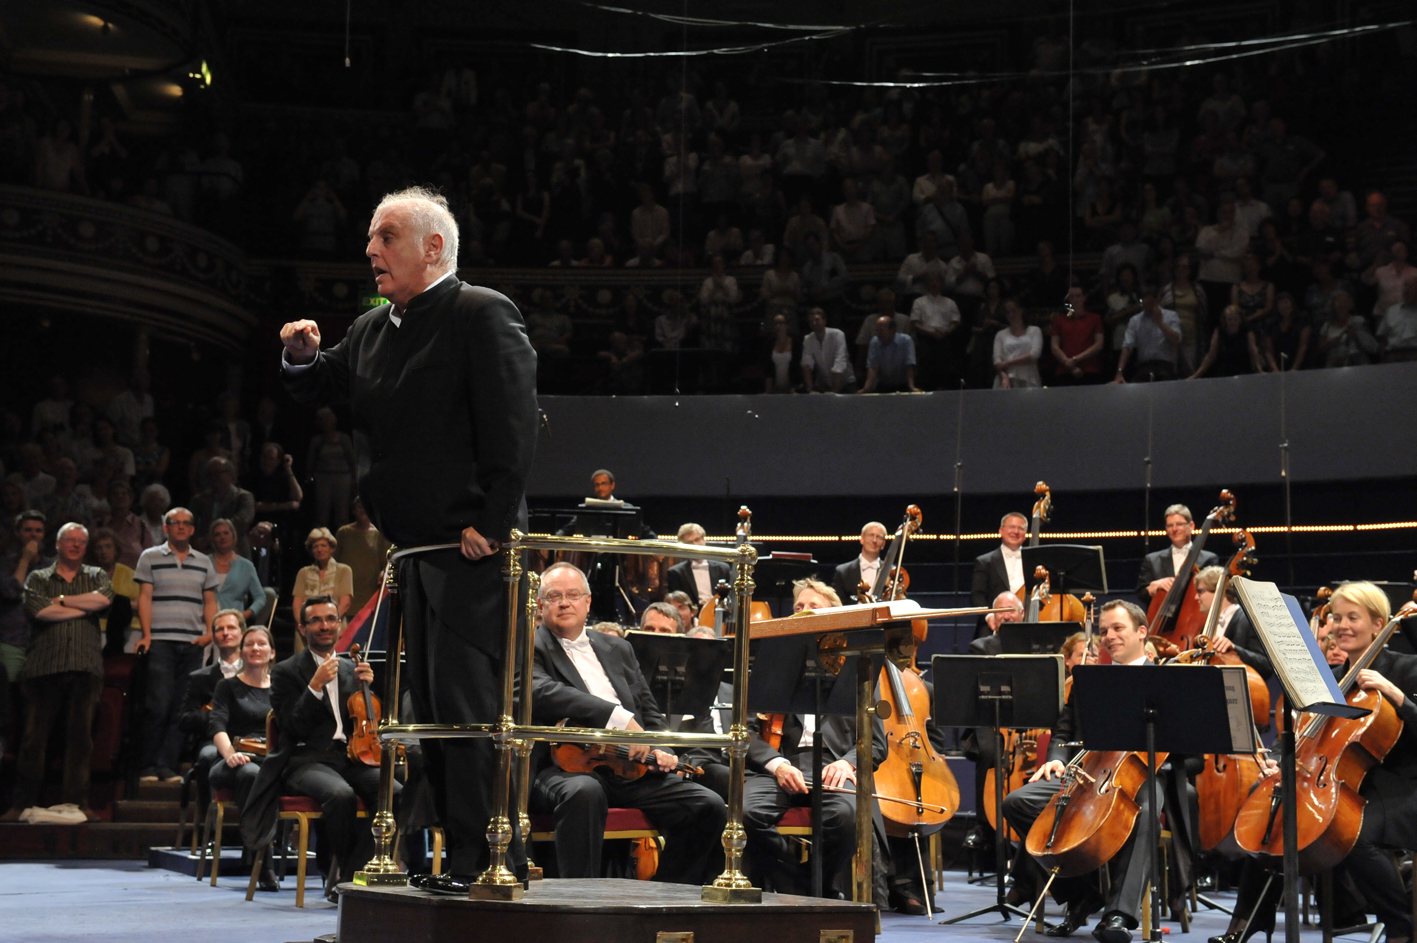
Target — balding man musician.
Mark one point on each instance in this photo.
(441, 387)
(991, 644)
(1159, 568)
(978, 743)
(591, 679)
(847, 579)
(1001, 569)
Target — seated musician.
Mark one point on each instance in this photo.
(781, 783)
(239, 708)
(1122, 628)
(592, 680)
(1358, 612)
(866, 568)
(227, 627)
(1159, 568)
(991, 644)
(696, 578)
(310, 694)
(662, 618)
(1001, 569)
(687, 613)
(1076, 651)
(978, 743)
(1233, 631)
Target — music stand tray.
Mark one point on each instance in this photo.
(1071, 568)
(682, 672)
(1035, 638)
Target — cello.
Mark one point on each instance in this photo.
(1332, 755)
(1176, 616)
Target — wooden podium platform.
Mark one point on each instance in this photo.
(607, 911)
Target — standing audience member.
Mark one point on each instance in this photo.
(1192, 307)
(32, 477)
(155, 501)
(1016, 351)
(1222, 247)
(199, 465)
(911, 277)
(1233, 350)
(824, 276)
(326, 577)
(103, 552)
(853, 226)
(238, 586)
(935, 321)
(176, 603)
(1344, 338)
(66, 503)
(364, 550)
(64, 672)
(1391, 278)
(128, 528)
(26, 554)
(890, 360)
(781, 289)
(52, 412)
(1153, 341)
(1375, 236)
(1397, 331)
(1252, 294)
(1077, 340)
(331, 464)
(826, 363)
(130, 407)
(224, 500)
(1286, 336)
(275, 488)
(150, 457)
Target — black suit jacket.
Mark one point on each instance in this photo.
(991, 577)
(758, 750)
(445, 426)
(838, 741)
(847, 580)
(989, 644)
(306, 723)
(559, 691)
(1157, 564)
(681, 578)
(201, 684)
(1241, 633)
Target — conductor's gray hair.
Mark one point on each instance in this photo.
(429, 214)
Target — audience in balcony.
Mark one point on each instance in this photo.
(1017, 350)
(890, 360)
(1344, 339)
(825, 360)
(1397, 331)
(150, 457)
(1232, 350)
(224, 500)
(331, 464)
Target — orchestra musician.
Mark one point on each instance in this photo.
(591, 679)
(979, 743)
(697, 578)
(1233, 630)
(991, 644)
(1122, 628)
(1001, 569)
(227, 628)
(1358, 612)
(1076, 651)
(1159, 568)
(781, 783)
(661, 618)
(688, 615)
(847, 579)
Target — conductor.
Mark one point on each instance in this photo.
(441, 387)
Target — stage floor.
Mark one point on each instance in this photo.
(126, 901)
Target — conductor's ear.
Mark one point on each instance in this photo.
(433, 248)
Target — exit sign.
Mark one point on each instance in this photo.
(372, 301)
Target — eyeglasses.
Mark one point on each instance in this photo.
(573, 597)
(313, 620)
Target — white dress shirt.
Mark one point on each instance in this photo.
(1013, 563)
(229, 669)
(804, 742)
(700, 569)
(595, 678)
(1226, 615)
(870, 569)
(331, 692)
(1178, 557)
(1143, 660)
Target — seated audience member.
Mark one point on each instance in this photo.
(624, 356)
(227, 630)
(309, 695)
(1077, 339)
(549, 330)
(63, 674)
(1233, 350)
(934, 319)
(1344, 339)
(910, 279)
(1286, 335)
(238, 585)
(26, 554)
(890, 361)
(325, 577)
(240, 704)
(596, 256)
(154, 501)
(685, 607)
(696, 578)
(661, 618)
(365, 551)
(1391, 278)
(783, 362)
(759, 251)
(1017, 349)
(826, 364)
(565, 255)
(646, 256)
(1397, 331)
(223, 500)
(782, 784)
(1152, 342)
(724, 239)
(592, 680)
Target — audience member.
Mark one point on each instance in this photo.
(130, 533)
(889, 196)
(944, 217)
(155, 501)
(1344, 339)
(824, 276)
(1128, 250)
(825, 362)
(326, 577)
(150, 457)
(1152, 342)
(361, 547)
(1343, 212)
(1397, 331)
(673, 327)
(1391, 278)
(1016, 351)
(1233, 350)
(624, 357)
(759, 251)
(1249, 212)
(65, 503)
(103, 553)
(911, 277)
(224, 501)
(1376, 234)
(331, 464)
(26, 554)
(966, 275)
(1221, 247)
(237, 585)
(1192, 307)
(1286, 336)
(1077, 341)
(853, 226)
(32, 477)
(1252, 294)
(890, 360)
(199, 465)
(275, 488)
(784, 358)
(934, 320)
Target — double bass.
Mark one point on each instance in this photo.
(1050, 608)
(1176, 616)
(1332, 755)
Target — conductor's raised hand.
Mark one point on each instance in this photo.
(301, 340)
(475, 546)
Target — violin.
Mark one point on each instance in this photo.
(611, 759)
(1332, 755)
(915, 776)
(1177, 615)
(771, 729)
(364, 713)
(1050, 608)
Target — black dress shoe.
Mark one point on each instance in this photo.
(903, 902)
(441, 883)
(1074, 918)
(1112, 929)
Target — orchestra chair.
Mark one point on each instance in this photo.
(437, 849)
(1374, 930)
(211, 831)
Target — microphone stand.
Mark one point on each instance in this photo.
(1284, 467)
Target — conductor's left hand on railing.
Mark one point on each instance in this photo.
(475, 546)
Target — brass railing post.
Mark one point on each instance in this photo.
(383, 869)
(524, 747)
(861, 890)
(498, 882)
(732, 886)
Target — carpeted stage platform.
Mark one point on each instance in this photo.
(126, 901)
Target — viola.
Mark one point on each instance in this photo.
(1332, 756)
(771, 729)
(364, 713)
(1177, 615)
(917, 778)
(611, 759)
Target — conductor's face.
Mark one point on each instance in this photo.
(399, 258)
(564, 603)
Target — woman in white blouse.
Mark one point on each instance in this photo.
(1016, 351)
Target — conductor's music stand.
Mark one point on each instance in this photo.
(997, 691)
(1071, 567)
(1035, 638)
(683, 672)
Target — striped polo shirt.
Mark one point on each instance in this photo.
(177, 591)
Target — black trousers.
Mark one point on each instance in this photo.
(1368, 869)
(239, 779)
(1131, 868)
(453, 681)
(337, 784)
(690, 817)
(771, 854)
(72, 695)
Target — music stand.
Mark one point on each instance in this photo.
(1070, 567)
(774, 574)
(997, 691)
(1151, 707)
(1035, 638)
(786, 678)
(682, 672)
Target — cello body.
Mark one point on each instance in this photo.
(912, 771)
(1189, 621)
(1330, 763)
(1020, 762)
(1221, 790)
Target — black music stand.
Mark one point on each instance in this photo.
(1071, 567)
(997, 691)
(1147, 708)
(786, 678)
(774, 574)
(683, 672)
(1035, 638)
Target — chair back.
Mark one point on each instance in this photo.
(272, 733)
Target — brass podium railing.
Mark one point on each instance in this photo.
(516, 736)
